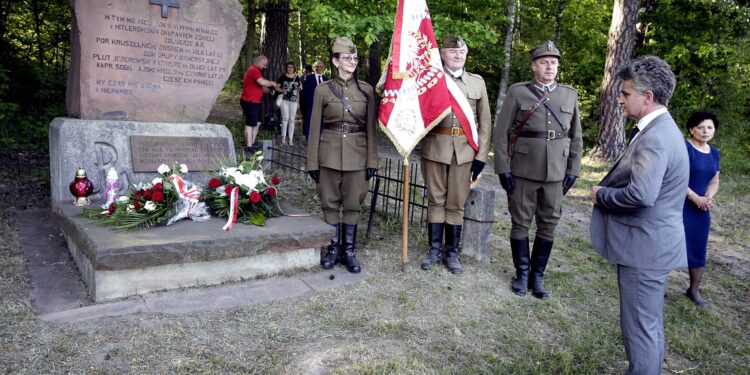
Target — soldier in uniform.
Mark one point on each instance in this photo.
(538, 158)
(449, 163)
(342, 152)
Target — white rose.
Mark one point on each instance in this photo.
(163, 169)
(124, 199)
(258, 176)
(157, 180)
(150, 206)
(241, 168)
(183, 168)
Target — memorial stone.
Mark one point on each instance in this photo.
(164, 62)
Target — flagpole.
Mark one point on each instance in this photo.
(405, 217)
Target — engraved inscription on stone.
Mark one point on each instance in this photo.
(198, 153)
(130, 63)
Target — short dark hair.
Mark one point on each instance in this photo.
(308, 67)
(698, 117)
(650, 73)
(289, 63)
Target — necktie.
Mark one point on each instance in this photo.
(633, 132)
(318, 77)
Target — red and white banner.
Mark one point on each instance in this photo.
(416, 96)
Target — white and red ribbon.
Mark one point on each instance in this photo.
(233, 208)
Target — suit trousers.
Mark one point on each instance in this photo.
(642, 317)
(448, 187)
(342, 191)
(530, 199)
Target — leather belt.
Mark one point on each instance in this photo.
(344, 127)
(548, 135)
(454, 131)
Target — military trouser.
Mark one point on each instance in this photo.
(342, 191)
(530, 199)
(448, 187)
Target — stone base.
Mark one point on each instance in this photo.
(186, 254)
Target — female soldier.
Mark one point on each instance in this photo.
(342, 152)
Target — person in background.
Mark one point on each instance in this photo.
(308, 90)
(253, 85)
(302, 104)
(342, 152)
(703, 186)
(450, 164)
(288, 85)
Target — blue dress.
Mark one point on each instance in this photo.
(703, 168)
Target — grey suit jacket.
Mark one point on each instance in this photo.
(637, 221)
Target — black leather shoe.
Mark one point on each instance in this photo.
(539, 258)
(452, 239)
(435, 235)
(348, 258)
(333, 252)
(520, 251)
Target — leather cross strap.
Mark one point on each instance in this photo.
(517, 129)
(551, 110)
(345, 102)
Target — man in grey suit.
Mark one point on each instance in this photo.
(637, 218)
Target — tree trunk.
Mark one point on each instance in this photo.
(372, 74)
(275, 41)
(610, 142)
(558, 20)
(508, 48)
(252, 14)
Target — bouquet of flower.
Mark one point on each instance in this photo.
(242, 194)
(164, 200)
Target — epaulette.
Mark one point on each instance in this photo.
(520, 84)
(567, 87)
(474, 75)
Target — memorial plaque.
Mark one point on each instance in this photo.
(131, 63)
(198, 153)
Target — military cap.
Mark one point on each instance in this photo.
(545, 49)
(453, 41)
(343, 44)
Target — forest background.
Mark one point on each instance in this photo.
(705, 41)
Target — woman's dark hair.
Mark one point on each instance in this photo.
(289, 63)
(698, 117)
(356, 81)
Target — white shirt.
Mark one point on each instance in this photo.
(457, 74)
(645, 120)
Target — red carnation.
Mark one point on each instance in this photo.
(137, 205)
(157, 196)
(139, 193)
(147, 194)
(159, 187)
(228, 188)
(112, 207)
(214, 183)
(275, 180)
(255, 197)
(271, 191)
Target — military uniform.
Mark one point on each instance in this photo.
(447, 159)
(546, 154)
(342, 148)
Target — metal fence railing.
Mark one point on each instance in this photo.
(386, 188)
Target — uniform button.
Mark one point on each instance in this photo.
(344, 135)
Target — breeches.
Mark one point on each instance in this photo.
(288, 111)
(530, 199)
(448, 187)
(342, 192)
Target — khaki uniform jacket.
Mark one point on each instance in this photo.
(440, 148)
(336, 150)
(538, 159)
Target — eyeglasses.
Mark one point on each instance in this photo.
(349, 59)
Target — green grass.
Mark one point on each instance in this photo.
(411, 322)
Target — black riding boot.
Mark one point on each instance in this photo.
(347, 258)
(435, 235)
(333, 251)
(452, 239)
(539, 257)
(520, 250)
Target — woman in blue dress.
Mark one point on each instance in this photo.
(703, 186)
